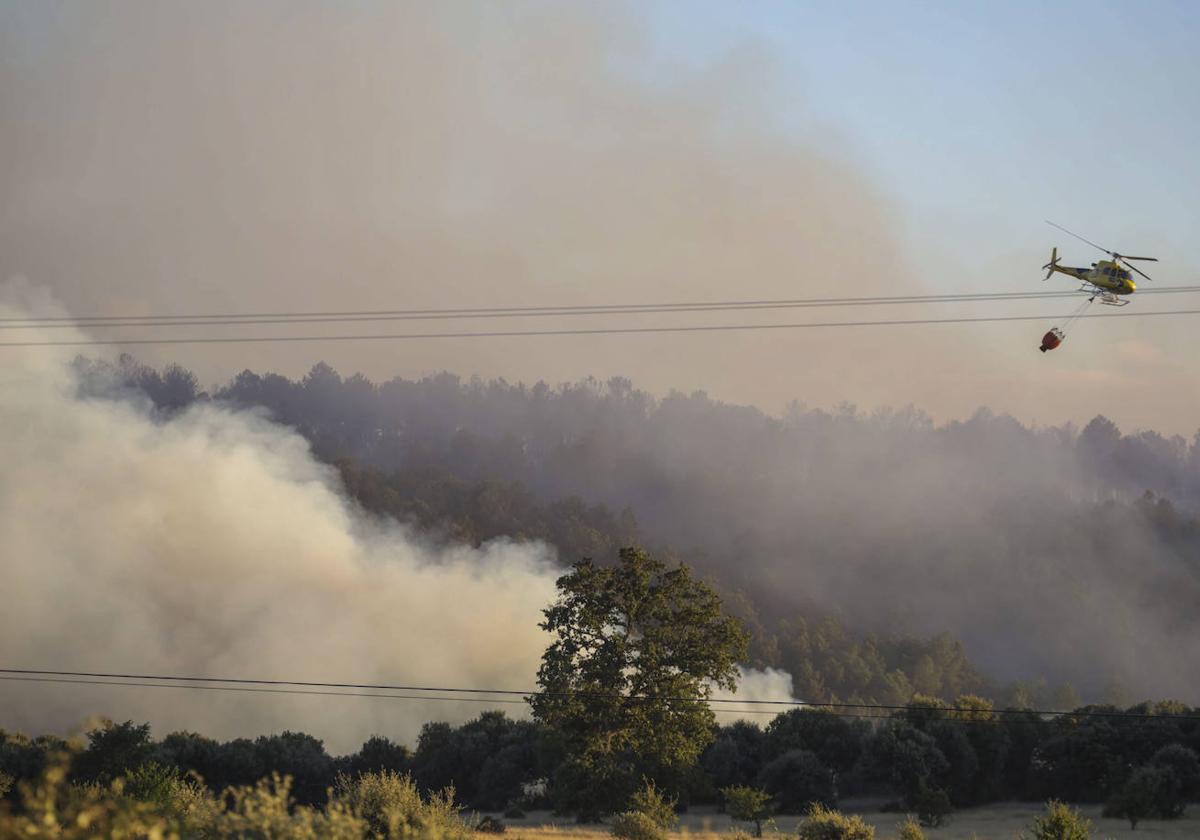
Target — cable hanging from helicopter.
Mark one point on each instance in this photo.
(1057, 335)
(1109, 280)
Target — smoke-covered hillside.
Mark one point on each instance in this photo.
(1051, 551)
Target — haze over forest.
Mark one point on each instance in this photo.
(1056, 553)
(988, 514)
(1049, 551)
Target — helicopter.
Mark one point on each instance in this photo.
(1110, 280)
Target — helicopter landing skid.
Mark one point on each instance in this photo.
(1107, 298)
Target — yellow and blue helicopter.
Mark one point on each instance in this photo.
(1109, 280)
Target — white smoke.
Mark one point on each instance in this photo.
(215, 544)
(768, 686)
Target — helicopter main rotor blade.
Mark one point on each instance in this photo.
(1138, 270)
(1080, 238)
(1123, 257)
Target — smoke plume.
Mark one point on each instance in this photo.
(766, 684)
(214, 544)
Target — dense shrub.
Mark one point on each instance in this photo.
(932, 805)
(650, 816)
(748, 804)
(1060, 822)
(910, 829)
(392, 806)
(155, 802)
(634, 825)
(50, 807)
(303, 758)
(1182, 767)
(267, 810)
(797, 779)
(490, 825)
(113, 750)
(826, 824)
(378, 754)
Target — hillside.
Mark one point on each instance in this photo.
(842, 539)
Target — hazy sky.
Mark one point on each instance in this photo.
(240, 157)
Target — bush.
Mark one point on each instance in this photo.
(932, 805)
(797, 779)
(379, 753)
(1148, 792)
(6, 784)
(651, 802)
(391, 805)
(114, 749)
(1182, 767)
(51, 807)
(151, 782)
(650, 816)
(158, 804)
(303, 758)
(826, 824)
(490, 825)
(182, 800)
(635, 825)
(514, 812)
(910, 830)
(748, 804)
(1061, 822)
(267, 810)
(25, 759)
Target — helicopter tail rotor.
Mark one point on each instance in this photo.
(1050, 266)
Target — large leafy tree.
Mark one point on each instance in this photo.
(637, 651)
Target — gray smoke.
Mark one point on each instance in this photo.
(214, 544)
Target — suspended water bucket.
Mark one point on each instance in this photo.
(1052, 339)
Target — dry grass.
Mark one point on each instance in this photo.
(998, 822)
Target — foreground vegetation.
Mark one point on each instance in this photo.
(934, 764)
(1002, 821)
(153, 801)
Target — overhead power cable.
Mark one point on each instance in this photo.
(317, 693)
(260, 339)
(317, 317)
(259, 689)
(506, 695)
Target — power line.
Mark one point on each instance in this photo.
(261, 690)
(863, 715)
(456, 694)
(312, 692)
(257, 318)
(369, 317)
(258, 339)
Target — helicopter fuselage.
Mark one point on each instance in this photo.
(1106, 275)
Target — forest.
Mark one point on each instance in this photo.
(872, 556)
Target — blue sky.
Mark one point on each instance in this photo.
(982, 119)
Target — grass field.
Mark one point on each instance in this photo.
(1004, 821)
